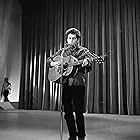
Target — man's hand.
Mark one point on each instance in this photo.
(85, 62)
(55, 64)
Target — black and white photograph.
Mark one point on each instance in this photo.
(69, 70)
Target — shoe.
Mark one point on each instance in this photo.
(81, 138)
(72, 138)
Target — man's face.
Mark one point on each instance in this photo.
(71, 39)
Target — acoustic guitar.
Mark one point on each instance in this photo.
(67, 66)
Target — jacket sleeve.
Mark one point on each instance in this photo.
(90, 60)
(90, 57)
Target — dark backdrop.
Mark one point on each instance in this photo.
(112, 87)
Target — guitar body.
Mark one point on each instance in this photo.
(55, 73)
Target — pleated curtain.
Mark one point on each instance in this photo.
(105, 25)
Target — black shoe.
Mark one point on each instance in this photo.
(72, 138)
(81, 138)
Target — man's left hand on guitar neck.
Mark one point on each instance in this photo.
(85, 62)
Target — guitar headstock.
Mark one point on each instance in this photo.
(100, 60)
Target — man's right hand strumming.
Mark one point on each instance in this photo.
(55, 64)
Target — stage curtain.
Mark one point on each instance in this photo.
(105, 25)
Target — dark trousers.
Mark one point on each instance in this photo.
(5, 94)
(73, 100)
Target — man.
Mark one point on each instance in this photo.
(6, 89)
(73, 92)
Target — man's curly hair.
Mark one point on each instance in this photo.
(73, 31)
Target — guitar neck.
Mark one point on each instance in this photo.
(79, 62)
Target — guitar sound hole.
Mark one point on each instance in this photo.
(65, 66)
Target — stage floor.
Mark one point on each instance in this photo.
(45, 125)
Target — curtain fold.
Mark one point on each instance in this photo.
(105, 25)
